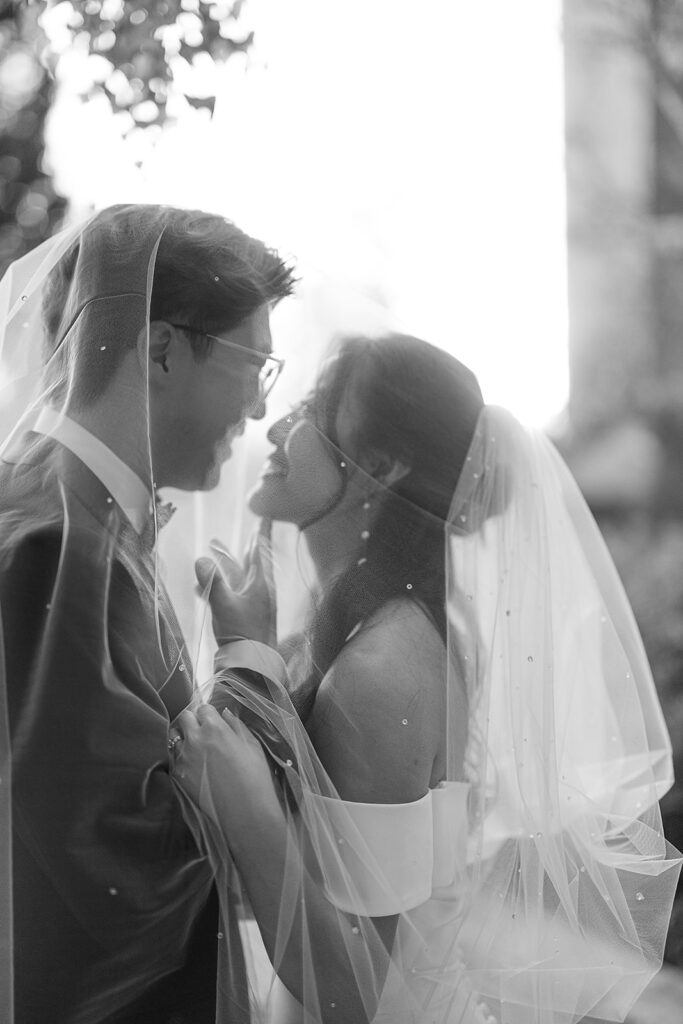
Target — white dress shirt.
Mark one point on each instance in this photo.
(125, 486)
(130, 493)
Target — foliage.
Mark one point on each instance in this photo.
(141, 55)
(29, 208)
(649, 558)
(150, 60)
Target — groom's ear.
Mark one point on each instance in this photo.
(157, 350)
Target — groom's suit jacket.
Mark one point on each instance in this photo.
(115, 914)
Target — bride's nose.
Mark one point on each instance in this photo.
(278, 431)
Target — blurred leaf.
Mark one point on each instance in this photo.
(30, 210)
(141, 41)
(202, 102)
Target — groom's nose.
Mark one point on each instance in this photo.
(254, 400)
(258, 409)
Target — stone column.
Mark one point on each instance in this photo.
(610, 129)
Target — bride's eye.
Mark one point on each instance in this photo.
(306, 409)
(295, 414)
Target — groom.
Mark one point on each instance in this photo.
(115, 917)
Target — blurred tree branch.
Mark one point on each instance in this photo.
(150, 60)
(624, 75)
(29, 206)
(140, 54)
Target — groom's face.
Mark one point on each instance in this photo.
(202, 405)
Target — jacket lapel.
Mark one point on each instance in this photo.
(144, 631)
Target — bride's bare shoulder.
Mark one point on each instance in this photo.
(377, 720)
(400, 636)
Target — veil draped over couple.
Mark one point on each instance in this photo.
(432, 797)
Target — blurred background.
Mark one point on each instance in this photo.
(504, 179)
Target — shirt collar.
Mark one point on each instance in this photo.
(125, 486)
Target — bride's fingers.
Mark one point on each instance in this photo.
(207, 713)
(258, 550)
(238, 727)
(174, 739)
(217, 545)
(205, 571)
(211, 580)
(183, 729)
(259, 563)
(264, 553)
(260, 542)
(185, 722)
(264, 543)
(228, 564)
(230, 719)
(253, 575)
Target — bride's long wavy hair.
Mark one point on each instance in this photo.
(418, 405)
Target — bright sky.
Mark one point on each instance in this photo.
(410, 156)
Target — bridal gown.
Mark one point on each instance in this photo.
(414, 863)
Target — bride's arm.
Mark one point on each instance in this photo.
(375, 721)
(378, 718)
(222, 767)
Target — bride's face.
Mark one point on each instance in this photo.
(301, 477)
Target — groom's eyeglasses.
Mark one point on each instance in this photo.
(270, 367)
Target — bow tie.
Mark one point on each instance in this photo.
(165, 510)
(162, 512)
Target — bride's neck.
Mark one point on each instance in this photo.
(334, 543)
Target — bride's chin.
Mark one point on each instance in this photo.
(260, 502)
(268, 501)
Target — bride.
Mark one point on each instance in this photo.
(438, 797)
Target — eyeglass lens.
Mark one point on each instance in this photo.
(268, 375)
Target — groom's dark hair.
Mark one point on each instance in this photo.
(208, 274)
(229, 277)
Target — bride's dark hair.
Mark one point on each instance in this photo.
(418, 405)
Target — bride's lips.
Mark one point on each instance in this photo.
(275, 465)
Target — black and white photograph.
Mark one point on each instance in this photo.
(341, 512)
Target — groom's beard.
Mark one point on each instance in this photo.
(220, 454)
(223, 449)
(198, 466)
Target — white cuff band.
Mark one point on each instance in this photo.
(254, 656)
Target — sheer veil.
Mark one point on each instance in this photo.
(534, 882)
(21, 374)
(69, 307)
(104, 896)
(571, 873)
(531, 884)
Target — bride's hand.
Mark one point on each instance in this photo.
(242, 597)
(221, 766)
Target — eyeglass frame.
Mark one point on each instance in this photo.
(260, 359)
